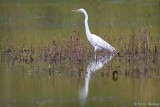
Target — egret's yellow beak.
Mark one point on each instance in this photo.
(74, 10)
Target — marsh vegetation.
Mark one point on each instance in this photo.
(44, 53)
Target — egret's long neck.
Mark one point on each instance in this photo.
(86, 23)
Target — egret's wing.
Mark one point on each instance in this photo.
(101, 43)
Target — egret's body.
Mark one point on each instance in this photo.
(97, 42)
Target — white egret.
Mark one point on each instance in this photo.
(98, 43)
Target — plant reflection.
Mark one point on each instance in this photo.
(115, 76)
(93, 66)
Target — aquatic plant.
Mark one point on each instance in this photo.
(139, 53)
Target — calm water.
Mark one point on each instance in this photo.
(107, 81)
(46, 88)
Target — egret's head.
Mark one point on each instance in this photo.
(79, 10)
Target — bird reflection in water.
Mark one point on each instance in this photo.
(93, 66)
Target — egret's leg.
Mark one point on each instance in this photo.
(95, 55)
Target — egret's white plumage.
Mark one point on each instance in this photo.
(97, 42)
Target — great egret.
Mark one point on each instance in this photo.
(98, 43)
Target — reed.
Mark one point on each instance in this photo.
(139, 53)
